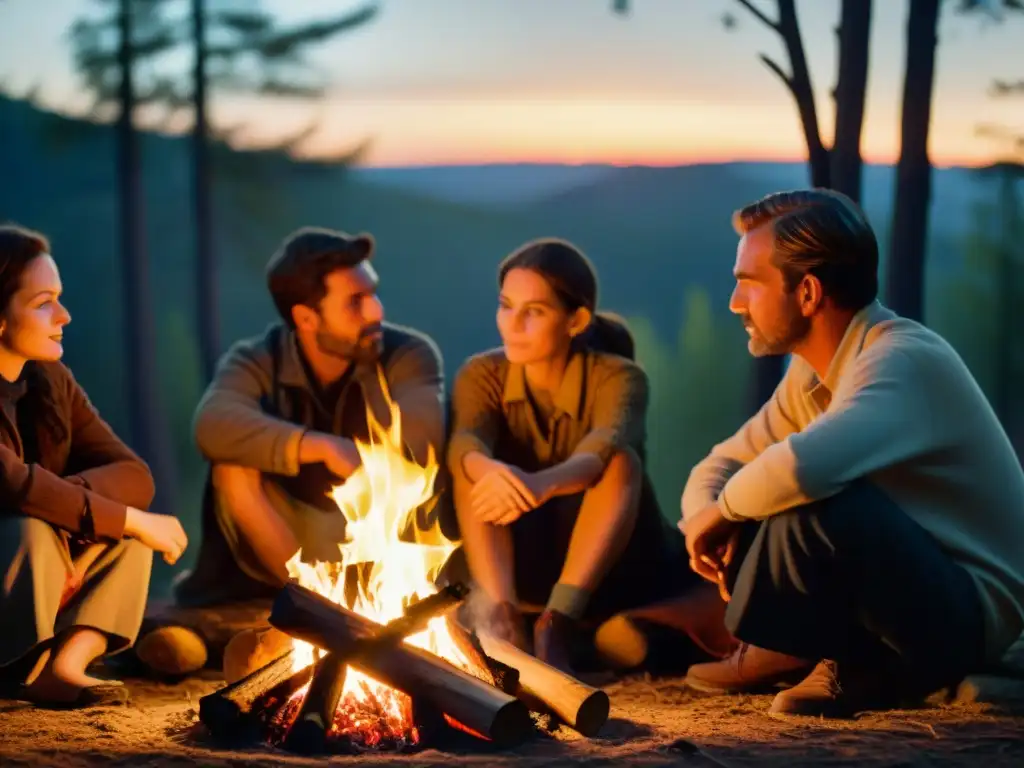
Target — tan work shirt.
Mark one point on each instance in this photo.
(600, 408)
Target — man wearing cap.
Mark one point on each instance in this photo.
(279, 421)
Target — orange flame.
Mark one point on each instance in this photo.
(396, 561)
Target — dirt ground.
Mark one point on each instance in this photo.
(652, 723)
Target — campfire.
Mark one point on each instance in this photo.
(379, 659)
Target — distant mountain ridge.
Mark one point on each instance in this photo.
(654, 233)
(527, 184)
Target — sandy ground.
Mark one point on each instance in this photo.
(652, 723)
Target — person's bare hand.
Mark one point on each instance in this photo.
(338, 454)
(502, 496)
(710, 542)
(161, 533)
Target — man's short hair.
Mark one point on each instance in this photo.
(296, 273)
(823, 233)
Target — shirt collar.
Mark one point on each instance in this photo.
(568, 399)
(849, 348)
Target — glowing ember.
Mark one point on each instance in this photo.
(387, 562)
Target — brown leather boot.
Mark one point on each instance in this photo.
(554, 637)
(747, 670)
(832, 690)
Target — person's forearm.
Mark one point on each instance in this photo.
(475, 465)
(574, 475)
(320, 447)
(705, 484)
(128, 481)
(232, 430)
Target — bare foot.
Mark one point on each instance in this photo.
(53, 687)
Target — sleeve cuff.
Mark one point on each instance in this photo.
(727, 511)
(289, 465)
(72, 507)
(108, 517)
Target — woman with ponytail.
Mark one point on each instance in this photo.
(551, 495)
(75, 544)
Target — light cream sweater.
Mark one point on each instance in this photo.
(898, 407)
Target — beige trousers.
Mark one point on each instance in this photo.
(35, 563)
(317, 531)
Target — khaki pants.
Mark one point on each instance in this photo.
(318, 531)
(36, 562)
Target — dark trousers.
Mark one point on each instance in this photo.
(854, 579)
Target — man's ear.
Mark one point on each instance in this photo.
(810, 295)
(579, 321)
(305, 318)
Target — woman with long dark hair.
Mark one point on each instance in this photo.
(75, 544)
(546, 456)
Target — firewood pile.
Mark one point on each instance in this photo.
(406, 698)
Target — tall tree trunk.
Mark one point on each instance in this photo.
(799, 83)
(905, 284)
(768, 370)
(854, 35)
(140, 360)
(207, 306)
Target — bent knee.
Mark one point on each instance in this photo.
(32, 531)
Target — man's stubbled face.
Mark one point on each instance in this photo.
(769, 312)
(350, 315)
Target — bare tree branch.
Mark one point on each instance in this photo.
(777, 69)
(759, 14)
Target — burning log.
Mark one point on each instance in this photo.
(579, 705)
(500, 675)
(232, 711)
(308, 735)
(473, 703)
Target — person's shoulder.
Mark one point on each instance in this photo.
(490, 360)
(57, 373)
(489, 366)
(909, 338)
(907, 348)
(398, 338)
(606, 365)
(258, 346)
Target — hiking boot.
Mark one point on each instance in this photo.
(749, 669)
(172, 651)
(839, 691)
(554, 637)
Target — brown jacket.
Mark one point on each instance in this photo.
(260, 403)
(82, 484)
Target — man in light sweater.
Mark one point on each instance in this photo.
(868, 522)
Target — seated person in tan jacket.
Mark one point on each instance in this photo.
(279, 420)
(546, 457)
(868, 522)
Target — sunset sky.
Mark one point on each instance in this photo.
(468, 81)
